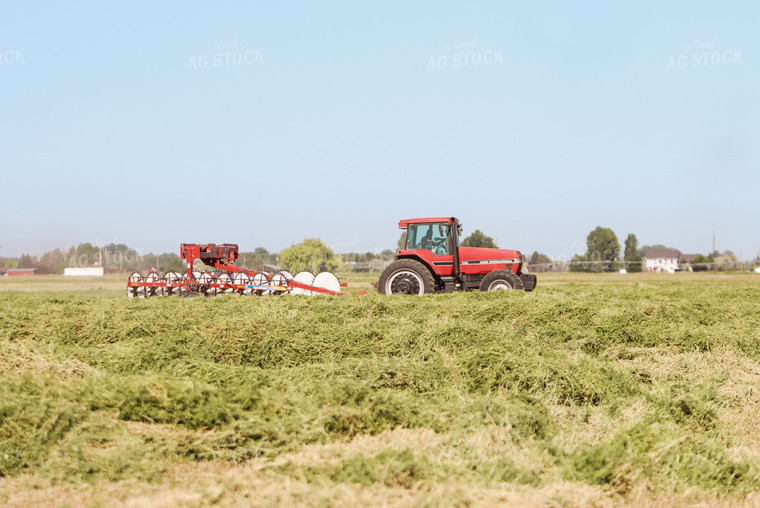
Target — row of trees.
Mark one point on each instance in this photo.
(359, 257)
(258, 258)
(117, 258)
(602, 255)
(311, 255)
(603, 251)
(113, 257)
(717, 261)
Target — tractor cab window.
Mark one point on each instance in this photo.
(432, 237)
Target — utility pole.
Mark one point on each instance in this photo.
(713, 241)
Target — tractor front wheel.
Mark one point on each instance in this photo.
(405, 277)
(500, 280)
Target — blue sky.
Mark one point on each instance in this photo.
(534, 122)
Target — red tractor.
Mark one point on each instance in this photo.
(433, 262)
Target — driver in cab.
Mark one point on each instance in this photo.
(427, 240)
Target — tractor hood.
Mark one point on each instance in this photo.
(482, 260)
(482, 254)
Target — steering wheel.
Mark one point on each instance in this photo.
(439, 246)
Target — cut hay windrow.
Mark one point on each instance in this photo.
(629, 389)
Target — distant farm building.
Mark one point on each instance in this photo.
(84, 271)
(11, 272)
(662, 260)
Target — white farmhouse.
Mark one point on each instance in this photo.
(662, 260)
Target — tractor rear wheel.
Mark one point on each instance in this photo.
(405, 277)
(501, 280)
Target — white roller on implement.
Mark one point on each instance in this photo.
(172, 278)
(261, 279)
(154, 291)
(225, 278)
(303, 278)
(207, 278)
(241, 279)
(281, 278)
(137, 291)
(326, 280)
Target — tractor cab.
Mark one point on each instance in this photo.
(434, 237)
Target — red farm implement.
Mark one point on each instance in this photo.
(224, 276)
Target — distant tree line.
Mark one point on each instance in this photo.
(312, 255)
(359, 257)
(258, 258)
(117, 258)
(720, 262)
(479, 239)
(602, 255)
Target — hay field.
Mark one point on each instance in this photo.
(592, 390)
(108, 285)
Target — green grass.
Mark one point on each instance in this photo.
(622, 385)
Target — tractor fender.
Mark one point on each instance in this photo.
(421, 261)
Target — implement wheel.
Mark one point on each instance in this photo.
(405, 277)
(501, 280)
